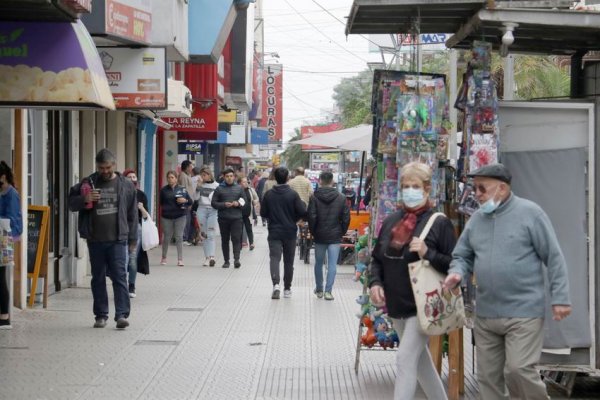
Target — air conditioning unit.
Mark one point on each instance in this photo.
(179, 100)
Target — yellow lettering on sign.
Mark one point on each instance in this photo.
(138, 28)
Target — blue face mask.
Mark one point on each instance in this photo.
(490, 206)
(412, 197)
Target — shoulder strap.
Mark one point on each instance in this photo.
(429, 225)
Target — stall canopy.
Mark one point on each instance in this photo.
(357, 138)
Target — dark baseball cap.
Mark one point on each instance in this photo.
(495, 171)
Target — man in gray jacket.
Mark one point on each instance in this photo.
(228, 199)
(506, 243)
(108, 220)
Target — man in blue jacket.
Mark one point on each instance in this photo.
(506, 243)
(108, 220)
(283, 208)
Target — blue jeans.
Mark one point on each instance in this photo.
(109, 257)
(132, 258)
(333, 252)
(207, 218)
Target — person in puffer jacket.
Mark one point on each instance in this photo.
(328, 220)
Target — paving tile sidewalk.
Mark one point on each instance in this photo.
(199, 333)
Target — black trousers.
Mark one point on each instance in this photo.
(231, 229)
(4, 295)
(248, 226)
(287, 248)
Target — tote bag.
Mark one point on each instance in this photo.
(150, 237)
(439, 311)
(7, 251)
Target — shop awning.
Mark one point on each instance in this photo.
(210, 23)
(538, 31)
(357, 138)
(51, 65)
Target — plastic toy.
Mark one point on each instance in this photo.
(368, 339)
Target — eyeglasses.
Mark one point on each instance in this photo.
(480, 188)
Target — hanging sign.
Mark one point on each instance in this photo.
(272, 110)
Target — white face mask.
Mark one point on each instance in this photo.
(412, 197)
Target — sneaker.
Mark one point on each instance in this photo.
(122, 323)
(5, 324)
(100, 323)
(180, 263)
(226, 264)
(163, 261)
(328, 296)
(276, 292)
(287, 293)
(319, 293)
(237, 264)
(212, 262)
(186, 243)
(206, 262)
(131, 291)
(252, 247)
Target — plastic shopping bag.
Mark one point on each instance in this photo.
(150, 238)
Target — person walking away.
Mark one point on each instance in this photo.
(174, 203)
(350, 194)
(108, 220)
(508, 243)
(139, 256)
(252, 202)
(260, 187)
(186, 180)
(228, 199)
(207, 215)
(270, 183)
(283, 208)
(398, 246)
(301, 185)
(10, 208)
(328, 220)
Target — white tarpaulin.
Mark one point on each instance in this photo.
(357, 138)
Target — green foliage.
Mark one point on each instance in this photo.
(293, 155)
(353, 97)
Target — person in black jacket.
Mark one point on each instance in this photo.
(108, 220)
(328, 220)
(398, 246)
(228, 199)
(283, 208)
(174, 204)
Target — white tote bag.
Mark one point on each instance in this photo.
(150, 238)
(439, 311)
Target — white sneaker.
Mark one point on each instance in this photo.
(287, 293)
(206, 262)
(276, 291)
(186, 243)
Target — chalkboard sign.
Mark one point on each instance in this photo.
(37, 248)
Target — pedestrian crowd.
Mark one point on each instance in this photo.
(507, 244)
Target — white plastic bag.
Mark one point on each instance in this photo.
(150, 237)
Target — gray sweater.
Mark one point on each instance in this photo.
(507, 250)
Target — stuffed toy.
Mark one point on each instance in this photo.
(368, 339)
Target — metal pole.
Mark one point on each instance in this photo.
(360, 180)
(453, 82)
(509, 77)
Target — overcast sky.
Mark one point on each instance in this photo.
(315, 54)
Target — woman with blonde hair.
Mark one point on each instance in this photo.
(398, 246)
(207, 215)
(174, 202)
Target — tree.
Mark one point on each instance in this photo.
(353, 98)
(293, 155)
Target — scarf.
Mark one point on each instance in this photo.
(402, 232)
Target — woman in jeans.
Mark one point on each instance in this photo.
(397, 247)
(252, 202)
(174, 204)
(207, 216)
(10, 208)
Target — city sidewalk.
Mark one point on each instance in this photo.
(200, 333)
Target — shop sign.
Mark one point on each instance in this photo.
(51, 64)
(231, 160)
(131, 19)
(137, 77)
(309, 131)
(190, 147)
(229, 117)
(272, 110)
(203, 119)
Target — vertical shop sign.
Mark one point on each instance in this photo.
(272, 110)
(130, 19)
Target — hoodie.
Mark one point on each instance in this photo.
(328, 216)
(282, 207)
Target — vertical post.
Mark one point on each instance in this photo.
(509, 77)
(436, 343)
(20, 172)
(576, 74)
(453, 83)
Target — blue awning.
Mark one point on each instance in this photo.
(209, 26)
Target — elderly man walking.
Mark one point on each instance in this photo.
(507, 243)
(301, 185)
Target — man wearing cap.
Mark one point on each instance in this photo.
(506, 244)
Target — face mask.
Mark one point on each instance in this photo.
(491, 205)
(412, 197)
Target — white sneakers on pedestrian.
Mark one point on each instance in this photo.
(287, 293)
(186, 243)
(276, 292)
(206, 262)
